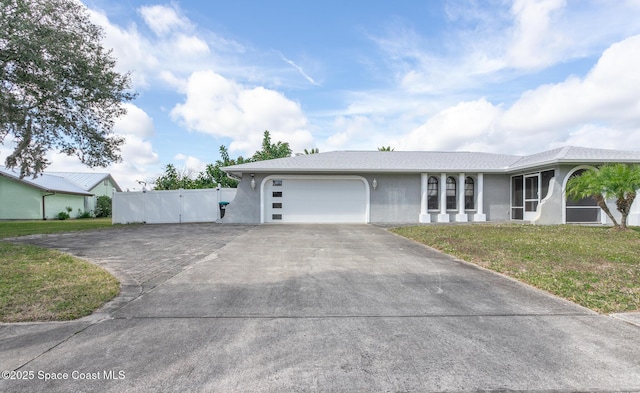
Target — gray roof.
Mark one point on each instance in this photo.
(86, 181)
(573, 154)
(428, 161)
(48, 182)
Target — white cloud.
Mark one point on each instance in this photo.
(609, 93)
(454, 128)
(135, 122)
(190, 45)
(535, 43)
(192, 165)
(178, 47)
(138, 151)
(221, 107)
(135, 53)
(577, 111)
(163, 20)
(486, 45)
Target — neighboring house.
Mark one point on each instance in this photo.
(51, 193)
(419, 187)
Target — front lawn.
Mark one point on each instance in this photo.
(38, 284)
(32, 227)
(596, 267)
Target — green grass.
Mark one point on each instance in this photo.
(22, 228)
(38, 284)
(596, 267)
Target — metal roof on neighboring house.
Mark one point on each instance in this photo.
(427, 161)
(86, 181)
(76, 183)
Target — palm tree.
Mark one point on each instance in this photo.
(386, 148)
(588, 185)
(314, 150)
(620, 181)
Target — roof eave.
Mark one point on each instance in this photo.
(239, 173)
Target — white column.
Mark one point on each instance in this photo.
(480, 216)
(461, 217)
(443, 216)
(424, 217)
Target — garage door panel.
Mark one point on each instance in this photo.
(317, 200)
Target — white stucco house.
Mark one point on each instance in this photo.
(419, 187)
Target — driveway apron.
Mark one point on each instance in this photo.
(319, 308)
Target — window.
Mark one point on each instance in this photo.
(277, 194)
(276, 205)
(276, 216)
(546, 180)
(517, 197)
(469, 193)
(451, 193)
(432, 193)
(277, 183)
(583, 210)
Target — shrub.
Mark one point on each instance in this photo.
(84, 214)
(103, 206)
(63, 216)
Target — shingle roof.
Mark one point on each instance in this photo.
(574, 154)
(426, 161)
(379, 161)
(47, 182)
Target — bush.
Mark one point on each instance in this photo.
(63, 216)
(103, 206)
(84, 214)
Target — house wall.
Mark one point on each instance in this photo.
(245, 207)
(57, 203)
(99, 190)
(550, 207)
(396, 199)
(19, 201)
(497, 197)
(22, 202)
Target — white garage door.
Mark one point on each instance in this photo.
(316, 200)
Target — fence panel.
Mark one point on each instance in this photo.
(127, 207)
(199, 206)
(162, 207)
(174, 206)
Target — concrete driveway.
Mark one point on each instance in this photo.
(312, 308)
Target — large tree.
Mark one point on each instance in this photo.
(618, 181)
(171, 179)
(58, 85)
(213, 175)
(270, 150)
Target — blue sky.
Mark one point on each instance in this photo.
(514, 77)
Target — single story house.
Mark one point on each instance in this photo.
(51, 193)
(419, 187)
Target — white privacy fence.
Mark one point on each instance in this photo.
(175, 206)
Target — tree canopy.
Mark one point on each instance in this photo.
(270, 150)
(58, 86)
(619, 181)
(213, 175)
